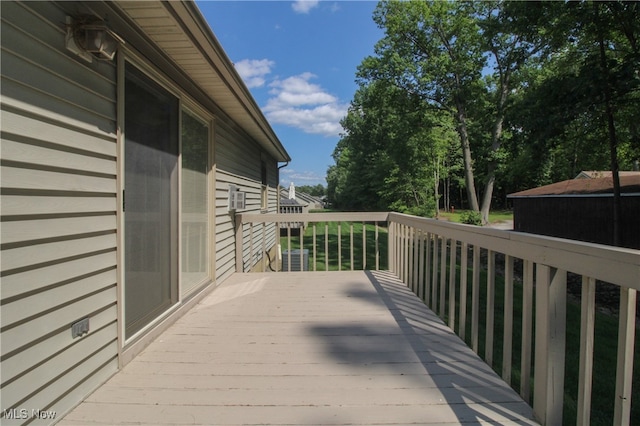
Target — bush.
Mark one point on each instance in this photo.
(470, 217)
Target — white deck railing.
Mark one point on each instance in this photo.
(424, 254)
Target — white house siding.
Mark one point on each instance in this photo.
(238, 163)
(58, 207)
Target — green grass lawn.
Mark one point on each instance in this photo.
(345, 243)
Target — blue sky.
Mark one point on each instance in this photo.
(299, 61)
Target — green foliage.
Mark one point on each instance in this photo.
(316, 190)
(510, 95)
(471, 218)
(387, 156)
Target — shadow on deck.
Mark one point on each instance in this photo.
(306, 348)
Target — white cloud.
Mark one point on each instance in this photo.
(304, 6)
(299, 103)
(253, 71)
(300, 177)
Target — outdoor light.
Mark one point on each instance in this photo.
(87, 35)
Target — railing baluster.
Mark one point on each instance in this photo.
(434, 274)
(351, 243)
(464, 255)
(401, 252)
(377, 246)
(421, 266)
(289, 247)
(339, 246)
(507, 335)
(410, 254)
(491, 295)
(587, 326)
(315, 260)
(364, 246)
(251, 249)
(326, 246)
(301, 230)
(550, 344)
(427, 270)
(475, 298)
(278, 246)
(527, 330)
(452, 284)
(624, 365)
(443, 278)
(264, 247)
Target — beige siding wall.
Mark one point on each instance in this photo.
(238, 163)
(58, 211)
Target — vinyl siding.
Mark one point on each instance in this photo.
(238, 162)
(58, 209)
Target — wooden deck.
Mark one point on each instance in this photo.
(331, 348)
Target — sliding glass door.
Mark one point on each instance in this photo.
(150, 200)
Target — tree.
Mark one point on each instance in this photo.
(582, 105)
(461, 58)
(386, 157)
(316, 190)
(430, 50)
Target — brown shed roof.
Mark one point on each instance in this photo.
(628, 184)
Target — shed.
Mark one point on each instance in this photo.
(580, 209)
(117, 160)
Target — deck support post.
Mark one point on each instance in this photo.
(551, 307)
(624, 369)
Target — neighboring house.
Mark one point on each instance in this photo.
(290, 204)
(116, 174)
(301, 198)
(580, 209)
(594, 174)
(313, 202)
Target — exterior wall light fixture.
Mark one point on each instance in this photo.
(90, 37)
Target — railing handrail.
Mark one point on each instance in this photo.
(313, 217)
(621, 265)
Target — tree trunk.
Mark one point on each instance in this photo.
(466, 157)
(613, 140)
(496, 135)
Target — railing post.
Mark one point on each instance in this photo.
(239, 262)
(624, 369)
(587, 324)
(391, 244)
(551, 307)
(527, 327)
(507, 335)
(491, 296)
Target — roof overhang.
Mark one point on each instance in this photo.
(181, 32)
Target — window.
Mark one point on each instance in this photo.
(195, 210)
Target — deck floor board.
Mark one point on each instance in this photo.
(334, 348)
